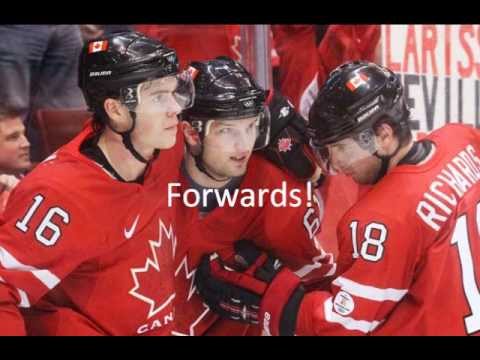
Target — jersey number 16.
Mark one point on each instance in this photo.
(46, 232)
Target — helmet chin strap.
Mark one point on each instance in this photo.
(127, 140)
(385, 162)
(200, 165)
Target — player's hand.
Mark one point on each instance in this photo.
(256, 288)
(288, 147)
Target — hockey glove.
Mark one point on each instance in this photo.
(256, 288)
(288, 147)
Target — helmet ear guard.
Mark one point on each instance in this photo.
(129, 97)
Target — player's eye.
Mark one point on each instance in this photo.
(159, 98)
(225, 131)
(13, 137)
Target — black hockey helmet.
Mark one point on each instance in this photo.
(225, 90)
(112, 64)
(354, 97)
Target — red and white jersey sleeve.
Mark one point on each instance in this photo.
(375, 267)
(33, 260)
(291, 231)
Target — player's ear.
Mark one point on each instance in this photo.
(386, 136)
(118, 114)
(191, 135)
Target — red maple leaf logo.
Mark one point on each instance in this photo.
(284, 144)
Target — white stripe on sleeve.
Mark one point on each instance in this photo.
(348, 322)
(369, 292)
(24, 302)
(317, 262)
(9, 262)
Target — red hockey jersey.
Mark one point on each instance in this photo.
(289, 232)
(409, 260)
(84, 254)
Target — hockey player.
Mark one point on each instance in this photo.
(229, 120)
(87, 239)
(409, 248)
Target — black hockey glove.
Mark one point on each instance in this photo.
(288, 147)
(257, 288)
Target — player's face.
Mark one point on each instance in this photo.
(157, 114)
(347, 157)
(14, 146)
(229, 145)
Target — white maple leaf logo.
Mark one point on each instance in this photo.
(152, 264)
(189, 275)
